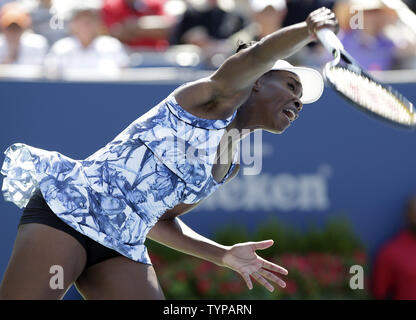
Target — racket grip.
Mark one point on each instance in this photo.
(329, 40)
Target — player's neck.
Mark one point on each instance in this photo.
(245, 121)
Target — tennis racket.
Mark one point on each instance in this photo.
(350, 80)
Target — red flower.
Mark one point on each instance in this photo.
(326, 278)
(295, 262)
(360, 257)
(234, 287)
(204, 267)
(156, 259)
(203, 286)
(181, 276)
(324, 260)
(223, 288)
(326, 268)
(291, 287)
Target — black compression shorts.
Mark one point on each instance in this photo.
(38, 211)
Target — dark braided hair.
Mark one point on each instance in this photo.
(244, 45)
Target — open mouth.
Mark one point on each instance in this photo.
(289, 114)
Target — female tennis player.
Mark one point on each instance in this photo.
(91, 217)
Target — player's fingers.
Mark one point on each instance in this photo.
(272, 277)
(262, 281)
(271, 266)
(320, 10)
(247, 279)
(330, 16)
(323, 18)
(262, 244)
(322, 13)
(326, 23)
(333, 25)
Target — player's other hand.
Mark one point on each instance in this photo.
(320, 19)
(243, 259)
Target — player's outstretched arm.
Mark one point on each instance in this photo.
(242, 69)
(230, 85)
(240, 257)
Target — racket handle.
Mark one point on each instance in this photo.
(329, 40)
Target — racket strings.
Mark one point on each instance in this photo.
(379, 99)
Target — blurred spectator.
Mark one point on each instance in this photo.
(206, 25)
(268, 15)
(86, 48)
(47, 22)
(204, 22)
(298, 10)
(394, 273)
(138, 23)
(366, 38)
(17, 44)
(411, 4)
(403, 34)
(3, 2)
(262, 18)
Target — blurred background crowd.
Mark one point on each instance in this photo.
(107, 35)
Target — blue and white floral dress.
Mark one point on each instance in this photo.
(116, 195)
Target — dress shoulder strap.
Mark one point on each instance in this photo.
(195, 121)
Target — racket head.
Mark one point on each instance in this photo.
(367, 94)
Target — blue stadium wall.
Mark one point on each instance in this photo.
(333, 161)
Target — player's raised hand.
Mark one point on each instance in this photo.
(321, 18)
(243, 259)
